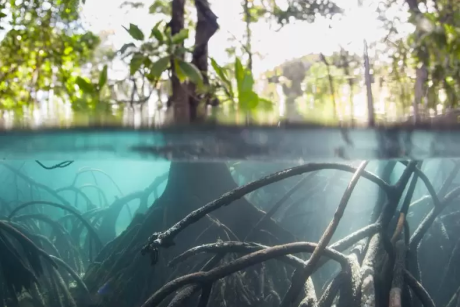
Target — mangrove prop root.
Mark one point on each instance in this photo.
(166, 238)
(445, 186)
(298, 282)
(26, 243)
(64, 207)
(397, 285)
(453, 302)
(279, 203)
(229, 247)
(237, 265)
(309, 295)
(427, 183)
(34, 183)
(72, 273)
(331, 291)
(418, 289)
(182, 298)
(205, 294)
(429, 219)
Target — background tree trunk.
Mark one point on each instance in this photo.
(190, 186)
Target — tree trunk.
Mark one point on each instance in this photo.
(206, 27)
(179, 100)
(131, 278)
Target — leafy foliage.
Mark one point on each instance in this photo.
(43, 48)
(237, 86)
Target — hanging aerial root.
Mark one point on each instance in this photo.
(240, 264)
(166, 239)
(299, 279)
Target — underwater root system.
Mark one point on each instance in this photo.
(203, 243)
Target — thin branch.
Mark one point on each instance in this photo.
(305, 273)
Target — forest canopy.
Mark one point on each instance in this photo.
(50, 56)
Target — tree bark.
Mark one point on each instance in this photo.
(190, 186)
(179, 99)
(206, 27)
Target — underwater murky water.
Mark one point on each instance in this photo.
(96, 228)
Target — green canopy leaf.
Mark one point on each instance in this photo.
(125, 47)
(180, 37)
(85, 85)
(136, 63)
(160, 66)
(157, 33)
(135, 32)
(179, 73)
(103, 77)
(191, 71)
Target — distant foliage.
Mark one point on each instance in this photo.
(42, 50)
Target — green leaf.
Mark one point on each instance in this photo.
(135, 32)
(248, 82)
(160, 66)
(157, 33)
(180, 37)
(179, 73)
(125, 47)
(136, 63)
(219, 71)
(103, 77)
(265, 104)
(239, 73)
(191, 71)
(248, 100)
(85, 85)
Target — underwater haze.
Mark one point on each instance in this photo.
(229, 233)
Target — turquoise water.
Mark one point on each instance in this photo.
(85, 220)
